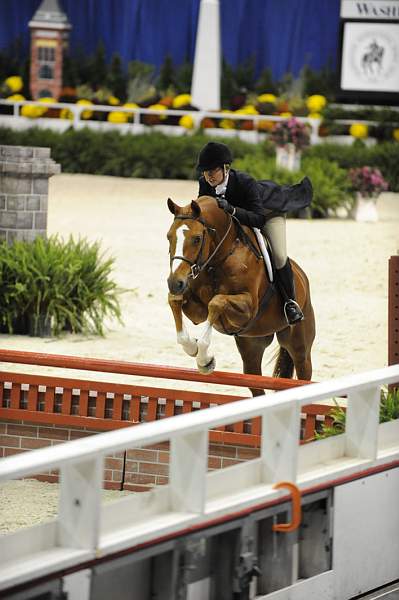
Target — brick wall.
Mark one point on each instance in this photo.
(24, 175)
(136, 469)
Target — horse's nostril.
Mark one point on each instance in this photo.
(176, 286)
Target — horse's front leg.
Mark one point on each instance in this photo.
(205, 362)
(188, 344)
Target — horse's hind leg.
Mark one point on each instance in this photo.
(251, 350)
(295, 347)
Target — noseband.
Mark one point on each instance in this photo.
(197, 266)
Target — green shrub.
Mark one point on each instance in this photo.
(67, 283)
(149, 155)
(385, 156)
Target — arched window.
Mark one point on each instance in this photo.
(46, 72)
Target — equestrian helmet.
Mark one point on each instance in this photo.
(214, 155)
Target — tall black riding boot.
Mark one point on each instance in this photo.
(285, 284)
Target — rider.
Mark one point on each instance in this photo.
(256, 204)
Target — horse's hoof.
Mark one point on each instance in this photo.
(208, 368)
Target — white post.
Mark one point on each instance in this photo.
(188, 466)
(280, 440)
(361, 428)
(80, 503)
(205, 86)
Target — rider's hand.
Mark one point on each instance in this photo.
(224, 205)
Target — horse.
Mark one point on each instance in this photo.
(218, 277)
(375, 55)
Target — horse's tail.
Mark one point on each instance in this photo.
(284, 365)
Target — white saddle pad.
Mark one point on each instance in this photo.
(265, 254)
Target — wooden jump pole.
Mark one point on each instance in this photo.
(393, 311)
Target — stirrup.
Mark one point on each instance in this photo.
(299, 316)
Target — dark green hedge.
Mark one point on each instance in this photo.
(385, 156)
(150, 155)
(155, 155)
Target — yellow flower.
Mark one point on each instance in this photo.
(316, 103)
(31, 111)
(86, 114)
(285, 114)
(265, 125)
(270, 98)
(186, 121)
(16, 97)
(314, 115)
(395, 134)
(15, 83)
(113, 101)
(131, 105)
(117, 117)
(159, 107)
(181, 100)
(358, 130)
(44, 101)
(247, 110)
(227, 124)
(66, 114)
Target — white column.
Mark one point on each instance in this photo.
(362, 419)
(188, 466)
(80, 503)
(280, 441)
(205, 86)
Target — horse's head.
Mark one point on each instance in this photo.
(190, 240)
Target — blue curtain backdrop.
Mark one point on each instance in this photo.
(280, 34)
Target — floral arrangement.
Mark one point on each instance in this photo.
(291, 131)
(368, 181)
(358, 130)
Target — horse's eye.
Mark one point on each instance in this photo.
(196, 240)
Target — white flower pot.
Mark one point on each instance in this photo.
(365, 209)
(288, 157)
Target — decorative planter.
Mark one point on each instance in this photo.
(288, 157)
(365, 209)
(40, 326)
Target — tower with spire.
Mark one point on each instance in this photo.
(49, 39)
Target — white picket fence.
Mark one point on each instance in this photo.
(85, 529)
(135, 126)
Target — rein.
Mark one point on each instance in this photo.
(196, 266)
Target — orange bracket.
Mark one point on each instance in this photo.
(296, 508)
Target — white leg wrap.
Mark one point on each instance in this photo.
(203, 358)
(264, 251)
(189, 344)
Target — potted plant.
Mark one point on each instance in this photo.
(49, 286)
(290, 137)
(367, 183)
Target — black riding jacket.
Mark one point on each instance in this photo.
(257, 201)
(242, 192)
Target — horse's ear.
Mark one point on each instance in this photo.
(174, 209)
(195, 207)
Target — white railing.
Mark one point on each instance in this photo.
(84, 529)
(77, 122)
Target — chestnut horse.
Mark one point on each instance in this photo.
(218, 277)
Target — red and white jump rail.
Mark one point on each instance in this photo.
(358, 469)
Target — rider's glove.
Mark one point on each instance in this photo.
(224, 205)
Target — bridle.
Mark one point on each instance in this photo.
(196, 265)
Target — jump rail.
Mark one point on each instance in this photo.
(85, 531)
(103, 405)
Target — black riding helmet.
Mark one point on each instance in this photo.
(214, 155)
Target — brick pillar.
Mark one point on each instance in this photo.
(24, 175)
